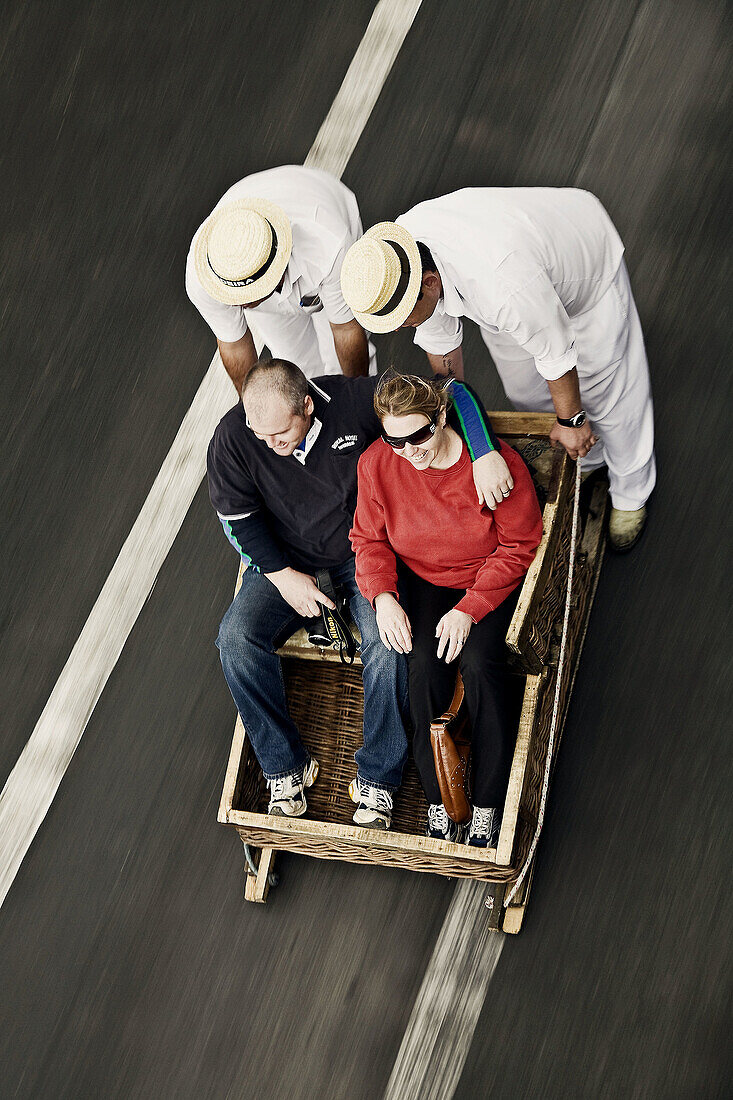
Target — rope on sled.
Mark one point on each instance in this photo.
(558, 689)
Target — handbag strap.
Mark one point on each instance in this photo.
(456, 702)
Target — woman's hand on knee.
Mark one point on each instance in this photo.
(452, 631)
(392, 623)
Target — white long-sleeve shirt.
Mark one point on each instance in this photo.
(522, 261)
(324, 217)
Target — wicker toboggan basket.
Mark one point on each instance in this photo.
(326, 702)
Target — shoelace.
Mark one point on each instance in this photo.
(438, 818)
(379, 798)
(483, 819)
(279, 790)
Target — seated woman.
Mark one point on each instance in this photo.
(460, 567)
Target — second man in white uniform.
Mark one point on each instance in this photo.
(264, 269)
(541, 272)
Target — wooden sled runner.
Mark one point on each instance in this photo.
(326, 701)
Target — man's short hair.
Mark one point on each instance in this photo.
(426, 257)
(276, 378)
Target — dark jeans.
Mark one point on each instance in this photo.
(258, 621)
(493, 694)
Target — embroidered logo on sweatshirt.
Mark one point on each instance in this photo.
(344, 443)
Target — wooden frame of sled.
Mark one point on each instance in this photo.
(325, 700)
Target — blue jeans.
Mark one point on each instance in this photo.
(258, 621)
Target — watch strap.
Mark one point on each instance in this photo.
(576, 421)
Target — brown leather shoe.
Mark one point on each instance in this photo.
(625, 528)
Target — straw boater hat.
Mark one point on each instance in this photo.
(381, 277)
(242, 251)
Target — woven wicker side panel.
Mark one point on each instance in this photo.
(538, 454)
(547, 621)
(356, 853)
(551, 617)
(326, 703)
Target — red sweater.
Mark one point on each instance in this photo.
(431, 519)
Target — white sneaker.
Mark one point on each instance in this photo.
(442, 827)
(483, 831)
(375, 805)
(287, 794)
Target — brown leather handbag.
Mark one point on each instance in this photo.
(449, 737)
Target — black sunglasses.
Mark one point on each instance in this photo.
(422, 435)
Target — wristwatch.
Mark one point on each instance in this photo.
(576, 421)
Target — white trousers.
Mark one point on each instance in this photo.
(304, 338)
(614, 387)
(303, 334)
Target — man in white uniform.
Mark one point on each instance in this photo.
(541, 272)
(264, 269)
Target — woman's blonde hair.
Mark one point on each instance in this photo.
(403, 394)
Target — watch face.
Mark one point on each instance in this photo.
(579, 420)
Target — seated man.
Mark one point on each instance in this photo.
(282, 478)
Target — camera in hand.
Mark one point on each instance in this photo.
(331, 627)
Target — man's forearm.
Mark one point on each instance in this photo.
(450, 363)
(238, 358)
(255, 543)
(565, 393)
(352, 349)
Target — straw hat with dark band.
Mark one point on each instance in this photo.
(381, 277)
(242, 251)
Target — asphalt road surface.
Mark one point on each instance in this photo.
(129, 963)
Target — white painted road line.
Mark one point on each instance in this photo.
(362, 84)
(439, 1034)
(32, 785)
